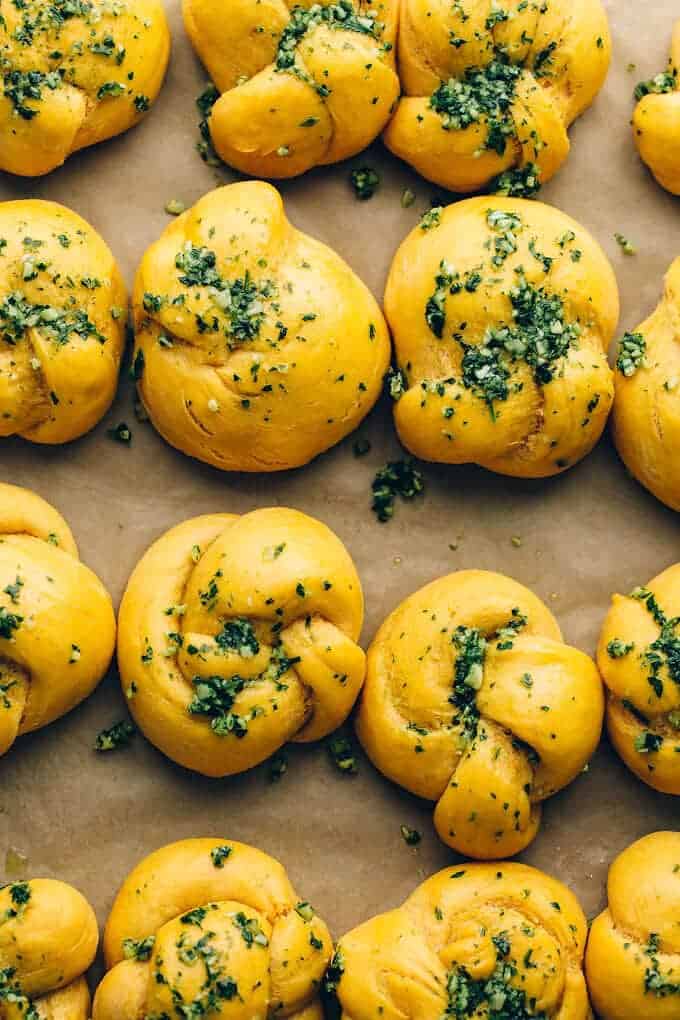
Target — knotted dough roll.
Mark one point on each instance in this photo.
(75, 72)
(208, 927)
(473, 700)
(639, 658)
(474, 940)
(502, 312)
(57, 628)
(633, 955)
(303, 84)
(238, 634)
(63, 310)
(257, 347)
(490, 87)
(48, 939)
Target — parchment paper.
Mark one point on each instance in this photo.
(88, 819)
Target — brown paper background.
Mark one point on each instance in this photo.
(88, 819)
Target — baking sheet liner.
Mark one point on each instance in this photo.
(88, 819)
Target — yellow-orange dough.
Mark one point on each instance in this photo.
(57, 628)
(63, 311)
(646, 416)
(303, 83)
(502, 933)
(212, 921)
(633, 955)
(238, 634)
(492, 85)
(257, 346)
(638, 662)
(48, 939)
(502, 311)
(656, 123)
(473, 700)
(75, 72)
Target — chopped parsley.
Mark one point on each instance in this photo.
(521, 182)
(342, 754)
(410, 836)
(648, 743)
(663, 653)
(631, 353)
(432, 218)
(448, 281)
(365, 182)
(119, 735)
(22, 87)
(339, 15)
(9, 623)
(540, 336)
(397, 478)
(618, 649)
(18, 315)
(660, 84)
(12, 994)
(241, 300)
(139, 949)
(122, 433)
(484, 93)
(626, 246)
(655, 981)
(219, 854)
(496, 997)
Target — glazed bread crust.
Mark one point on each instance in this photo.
(502, 312)
(63, 310)
(303, 84)
(656, 123)
(238, 634)
(490, 88)
(633, 955)
(259, 346)
(75, 74)
(473, 700)
(474, 934)
(57, 628)
(646, 416)
(48, 939)
(638, 664)
(208, 921)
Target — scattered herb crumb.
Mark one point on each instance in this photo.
(120, 434)
(175, 207)
(626, 246)
(341, 750)
(398, 478)
(119, 735)
(365, 181)
(410, 836)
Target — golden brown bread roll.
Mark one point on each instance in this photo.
(208, 927)
(473, 700)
